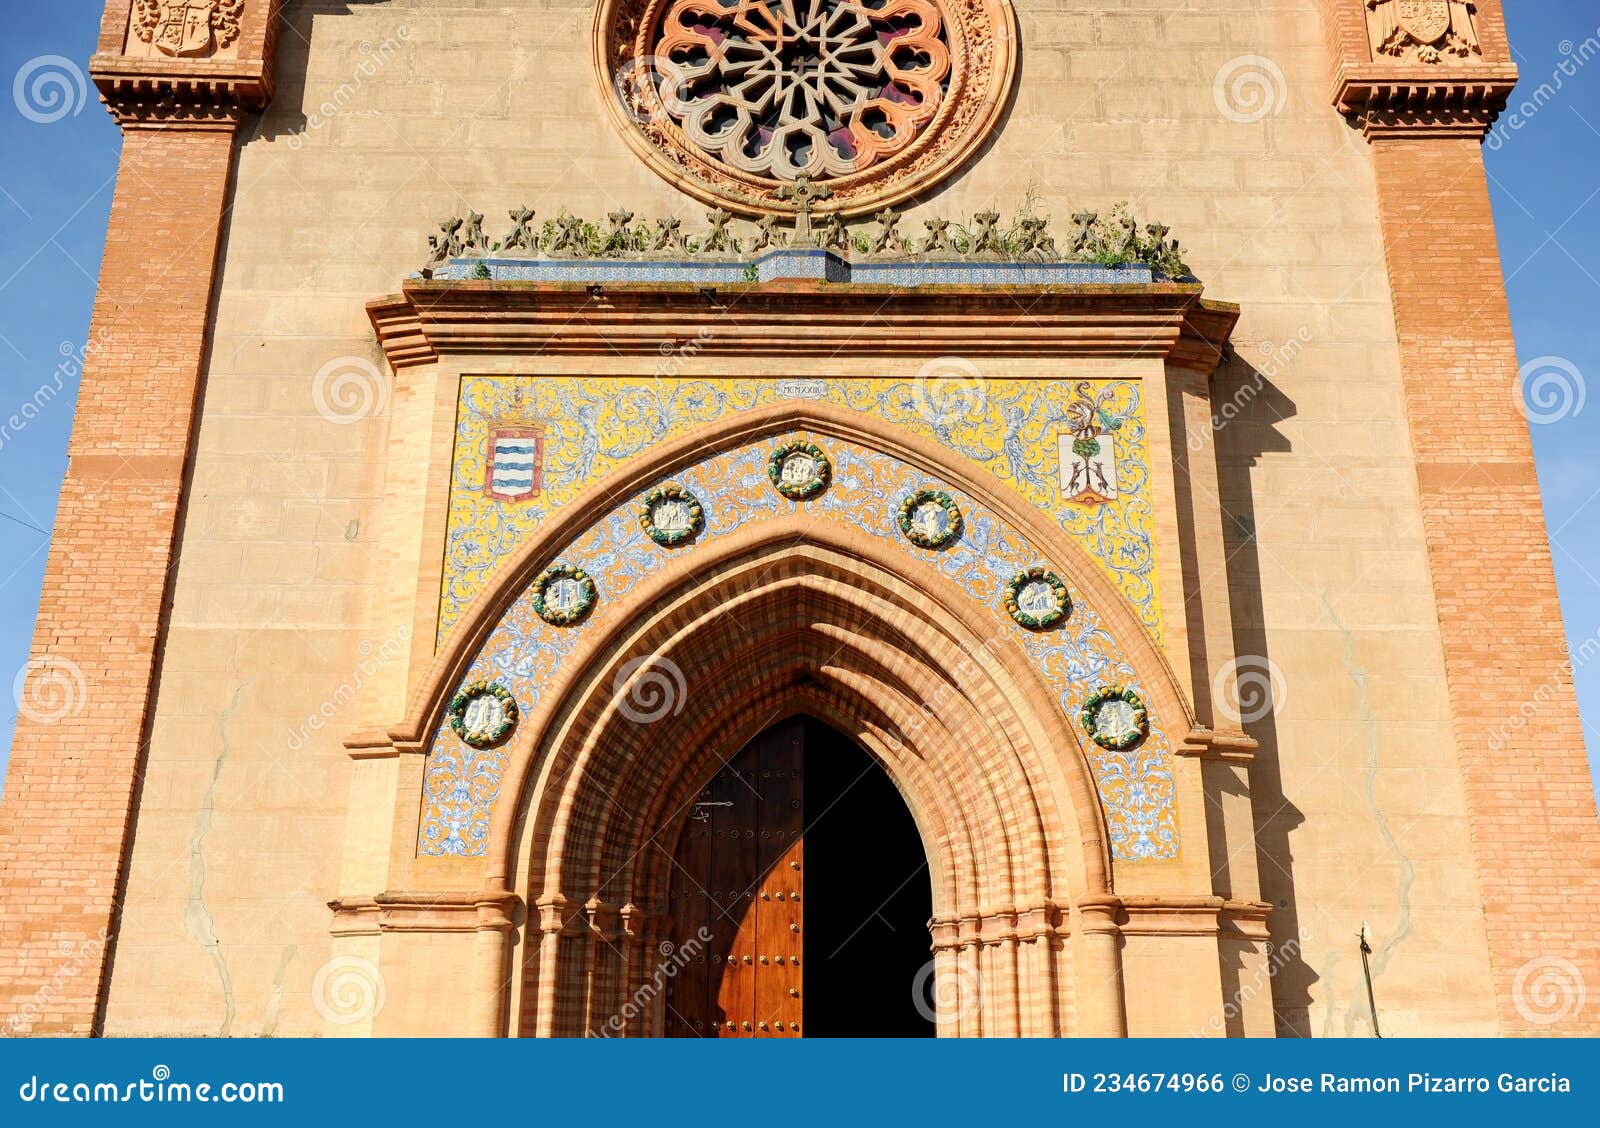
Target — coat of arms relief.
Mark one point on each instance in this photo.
(1423, 31)
(187, 28)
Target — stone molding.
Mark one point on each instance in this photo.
(427, 911)
(1404, 99)
(1193, 916)
(1211, 744)
(801, 319)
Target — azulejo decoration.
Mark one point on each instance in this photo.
(800, 470)
(735, 100)
(562, 595)
(483, 713)
(1037, 599)
(930, 519)
(671, 515)
(1115, 718)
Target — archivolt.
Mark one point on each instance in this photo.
(798, 614)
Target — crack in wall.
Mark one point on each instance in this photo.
(197, 917)
(1408, 870)
(270, 1026)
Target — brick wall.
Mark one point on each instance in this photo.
(1532, 811)
(73, 780)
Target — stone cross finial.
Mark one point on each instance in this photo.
(521, 237)
(938, 236)
(888, 240)
(805, 195)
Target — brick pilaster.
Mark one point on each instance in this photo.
(1534, 832)
(73, 782)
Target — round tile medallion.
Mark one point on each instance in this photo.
(1037, 599)
(799, 470)
(1115, 718)
(483, 713)
(562, 595)
(930, 519)
(671, 515)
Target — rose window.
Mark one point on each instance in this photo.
(733, 101)
(819, 88)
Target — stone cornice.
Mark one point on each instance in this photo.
(800, 319)
(466, 911)
(1211, 744)
(1387, 99)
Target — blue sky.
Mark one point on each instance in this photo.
(59, 167)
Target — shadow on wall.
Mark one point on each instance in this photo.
(288, 116)
(1245, 433)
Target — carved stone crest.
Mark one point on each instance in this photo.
(187, 28)
(1422, 30)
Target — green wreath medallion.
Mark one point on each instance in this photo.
(562, 595)
(930, 519)
(800, 470)
(1037, 599)
(1115, 718)
(671, 515)
(483, 713)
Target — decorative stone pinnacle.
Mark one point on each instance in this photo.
(804, 194)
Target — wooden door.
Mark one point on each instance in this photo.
(738, 873)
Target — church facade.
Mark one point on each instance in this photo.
(530, 455)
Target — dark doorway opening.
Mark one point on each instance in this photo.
(869, 899)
